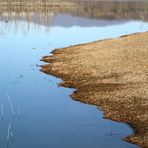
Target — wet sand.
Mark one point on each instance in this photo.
(112, 74)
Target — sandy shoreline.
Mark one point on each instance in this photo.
(112, 74)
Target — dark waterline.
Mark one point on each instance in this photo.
(45, 115)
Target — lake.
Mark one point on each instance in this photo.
(35, 112)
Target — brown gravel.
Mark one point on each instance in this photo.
(112, 74)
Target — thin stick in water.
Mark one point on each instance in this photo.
(11, 134)
(19, 113)
(10, 102)
(8, 134)
(2, 112)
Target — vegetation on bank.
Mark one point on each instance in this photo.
(101, 10)
(35, 3)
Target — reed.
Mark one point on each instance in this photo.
(11, 134)
(2, 111)
(11, 106)
(8, 134)
(19, 113)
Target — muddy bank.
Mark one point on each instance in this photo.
(112, 74)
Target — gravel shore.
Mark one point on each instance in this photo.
(112, 74)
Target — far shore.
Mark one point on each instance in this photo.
(38, 4)
(111, 74)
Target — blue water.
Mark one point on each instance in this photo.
(45, 115)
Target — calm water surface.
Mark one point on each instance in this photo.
(45, 115)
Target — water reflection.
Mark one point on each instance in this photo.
(102, 13)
